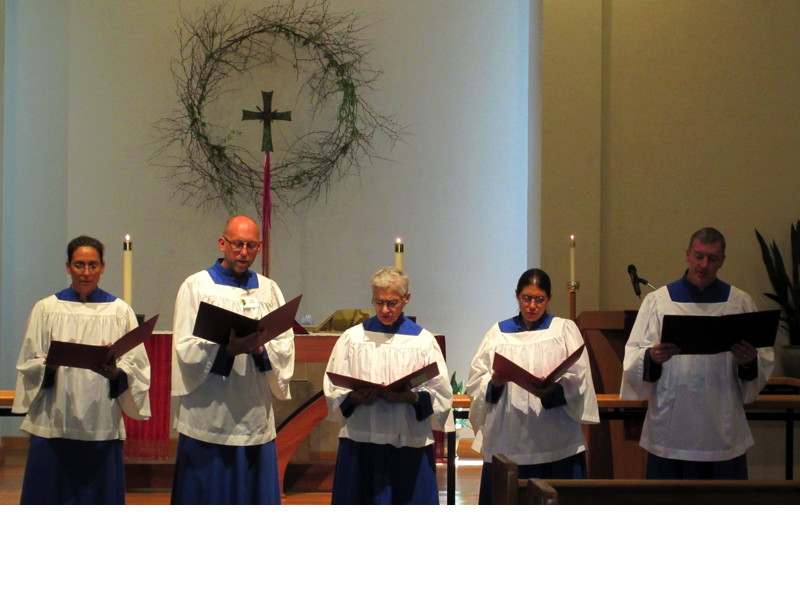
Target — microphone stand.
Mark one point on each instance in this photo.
(645, 282)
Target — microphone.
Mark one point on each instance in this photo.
(634, 280)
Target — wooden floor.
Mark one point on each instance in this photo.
(308, 486)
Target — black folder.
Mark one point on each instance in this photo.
(696, 334)
(214, 323)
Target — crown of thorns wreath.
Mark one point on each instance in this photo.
(208, 168)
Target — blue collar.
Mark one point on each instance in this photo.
(517, 324)
(683, 290)
(97, 296)
(402, 326)
(224, 276)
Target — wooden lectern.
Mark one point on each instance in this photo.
(613, 445)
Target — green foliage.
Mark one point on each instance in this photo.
(220, 42)
(458, 387)
(786, 289)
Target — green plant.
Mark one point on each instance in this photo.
(458, 387)
(786, 289)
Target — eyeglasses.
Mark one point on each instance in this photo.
(528, 299)
(81, 266)
(237, 245)
(389, 303)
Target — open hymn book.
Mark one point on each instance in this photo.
(214, 323)
(700, 334)
(528, 381)
(414, 379)
(88, 356)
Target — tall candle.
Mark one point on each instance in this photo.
(398, 254)
(572, 258)
(127, 270)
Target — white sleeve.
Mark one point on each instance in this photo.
(480, 374)
(135, 401)
(645, 334)
(337, 363)
(192, 357)
(280, 351)
(440, 389)
(30, 363)
(766, 364)
(577, 382)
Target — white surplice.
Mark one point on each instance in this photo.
(78, 406)
(518, 425)
(696, 408)
(233, 410)
(384, 358)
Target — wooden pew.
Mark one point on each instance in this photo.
(651, 491)
(507, 488)
(506, 485)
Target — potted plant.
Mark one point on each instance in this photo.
(786, 292)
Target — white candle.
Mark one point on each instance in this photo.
(398, 254)
(127, 270)
(572, 258)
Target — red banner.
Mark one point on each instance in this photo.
(150, 439)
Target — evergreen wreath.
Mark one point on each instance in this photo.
(210, 170)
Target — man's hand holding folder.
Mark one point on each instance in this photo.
(252, 343)
(241, 334)
(693, 334)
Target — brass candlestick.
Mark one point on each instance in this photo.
(572, 288)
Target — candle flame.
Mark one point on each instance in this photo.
(127, 237)
(572, 240)
(399, 241)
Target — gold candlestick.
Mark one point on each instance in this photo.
(127, 270)
(572, 288)
(399, 250)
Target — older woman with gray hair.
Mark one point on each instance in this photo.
(386, 441)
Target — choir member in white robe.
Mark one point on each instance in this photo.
(74, 415)
(543, 433)
(385, 451)
(695, 426)
(226, 424)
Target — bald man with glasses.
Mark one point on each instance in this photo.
(225, 420)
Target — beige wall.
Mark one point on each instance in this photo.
(661, 117)
(571, 147)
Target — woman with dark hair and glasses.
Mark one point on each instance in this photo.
(542, 433)
(74, 415)
(385, 451)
